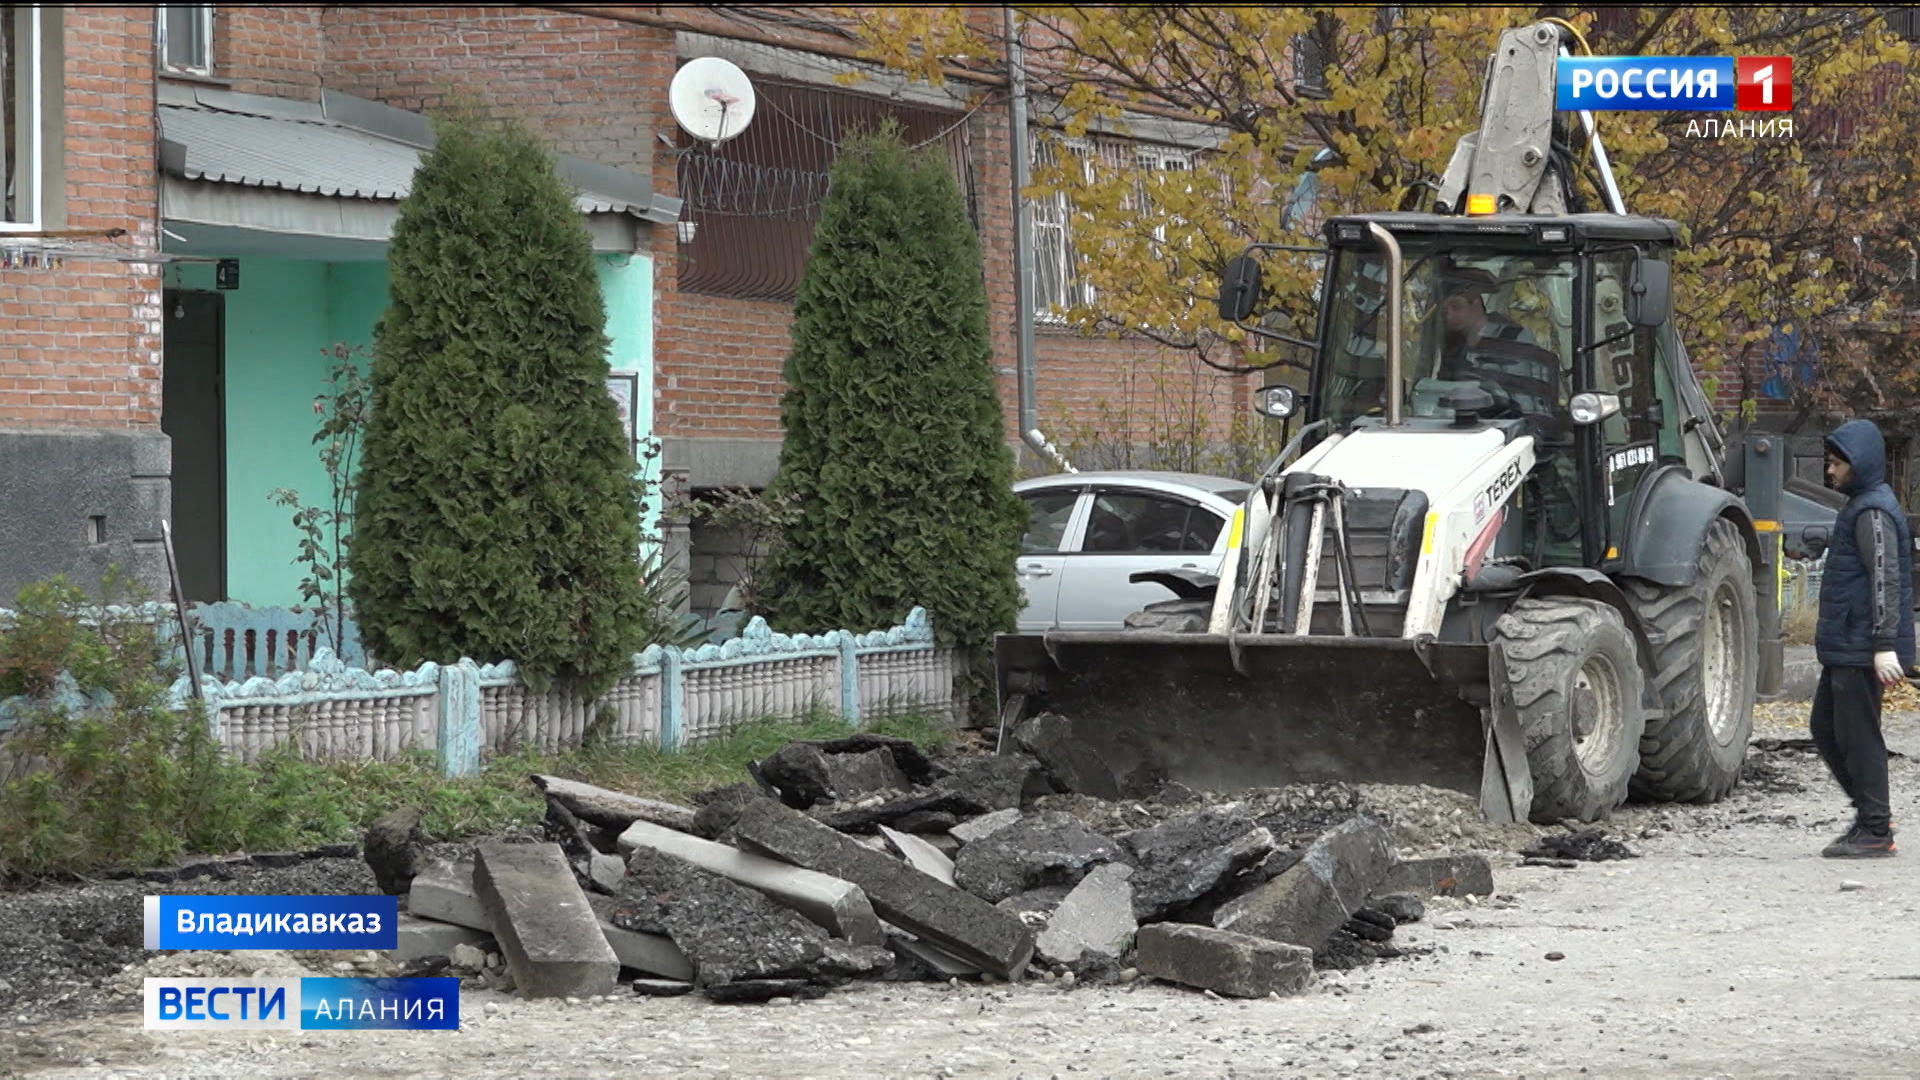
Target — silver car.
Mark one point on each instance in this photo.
(1088, 532)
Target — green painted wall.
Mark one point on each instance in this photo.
(627, 284)
(280, 325)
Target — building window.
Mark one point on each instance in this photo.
(186, 38)
(751, 205)
(24, 149)
(1058, 283)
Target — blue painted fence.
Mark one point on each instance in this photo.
(669, 697)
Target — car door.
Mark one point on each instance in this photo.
(1127, 530)
(1051, 514)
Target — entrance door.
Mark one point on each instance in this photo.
(193, 414)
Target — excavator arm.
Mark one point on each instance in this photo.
(1509, 165)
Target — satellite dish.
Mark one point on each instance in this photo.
(712, 99)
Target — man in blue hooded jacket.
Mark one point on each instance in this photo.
(1865, 635)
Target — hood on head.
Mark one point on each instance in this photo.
(1860, 443)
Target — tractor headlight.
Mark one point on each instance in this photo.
(1593, 408)
(1278, 402)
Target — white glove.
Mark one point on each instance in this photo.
(1887, 666)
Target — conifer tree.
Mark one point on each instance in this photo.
(498, 507)
(895, 443)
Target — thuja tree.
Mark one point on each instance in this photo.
(895, 452)
(498, 509)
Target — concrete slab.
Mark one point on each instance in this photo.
(1444, 875)
(838, 906)
(1222, 961)
(553, 943)
(921, 855)
(613, 810)
(970, 928)
(444, 892)
(983, 826)
(934, 957)
(1097, 916)
(422, 938)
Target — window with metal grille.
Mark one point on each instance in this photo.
(22, 135)
(186, 38)
(1058, 280)
(751, 205)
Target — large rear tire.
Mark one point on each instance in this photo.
(1172, 617)
(1705, 649)
(1577, 686)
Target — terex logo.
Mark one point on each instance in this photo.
(1692, 83)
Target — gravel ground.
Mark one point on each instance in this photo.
(1728, 949)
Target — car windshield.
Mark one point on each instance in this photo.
(1471, 319)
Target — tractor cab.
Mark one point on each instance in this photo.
(1552, 328)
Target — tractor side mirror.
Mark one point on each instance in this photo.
(1239, 288)
(1814, 539)
(1649, 293)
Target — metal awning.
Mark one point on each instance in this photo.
(335, 171)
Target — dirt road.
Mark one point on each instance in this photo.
(1729, 950)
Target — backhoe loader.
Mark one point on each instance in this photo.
(1509, 551)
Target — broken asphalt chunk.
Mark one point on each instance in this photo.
(1312, 899)
(986, 825)
(1182, 860)
(1225, 962)
(1071, 764)
(653, 952)
(837, 906)
(729, 932)
(993, 782)
(970, 928)
(1403, 908)
(547, 931)
(1051, 848)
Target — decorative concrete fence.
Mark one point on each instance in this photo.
(237, 642)
(669, 698)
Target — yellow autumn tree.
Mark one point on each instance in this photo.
(1808, 234)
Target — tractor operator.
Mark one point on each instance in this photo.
(1865, 634)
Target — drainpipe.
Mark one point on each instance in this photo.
(1023, 250)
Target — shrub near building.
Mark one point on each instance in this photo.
(498, 509)
(894, 446)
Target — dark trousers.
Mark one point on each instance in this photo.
(1846, 728)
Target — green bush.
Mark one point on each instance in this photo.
(498, 506)
(100, 771)
(895, 449)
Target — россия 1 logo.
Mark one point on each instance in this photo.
(1692, 83)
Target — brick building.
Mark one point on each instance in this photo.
(83, 462)
(255, 156)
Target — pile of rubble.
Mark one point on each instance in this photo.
(863, 858)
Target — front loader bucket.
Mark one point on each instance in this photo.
(1269, 710)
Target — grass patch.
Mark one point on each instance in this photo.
(99, 771)
(283, 803)
(329, 803)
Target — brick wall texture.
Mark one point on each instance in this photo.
(80, 343)
(598, 88)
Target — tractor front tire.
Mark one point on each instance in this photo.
(1705, 643)
(1577, 686)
